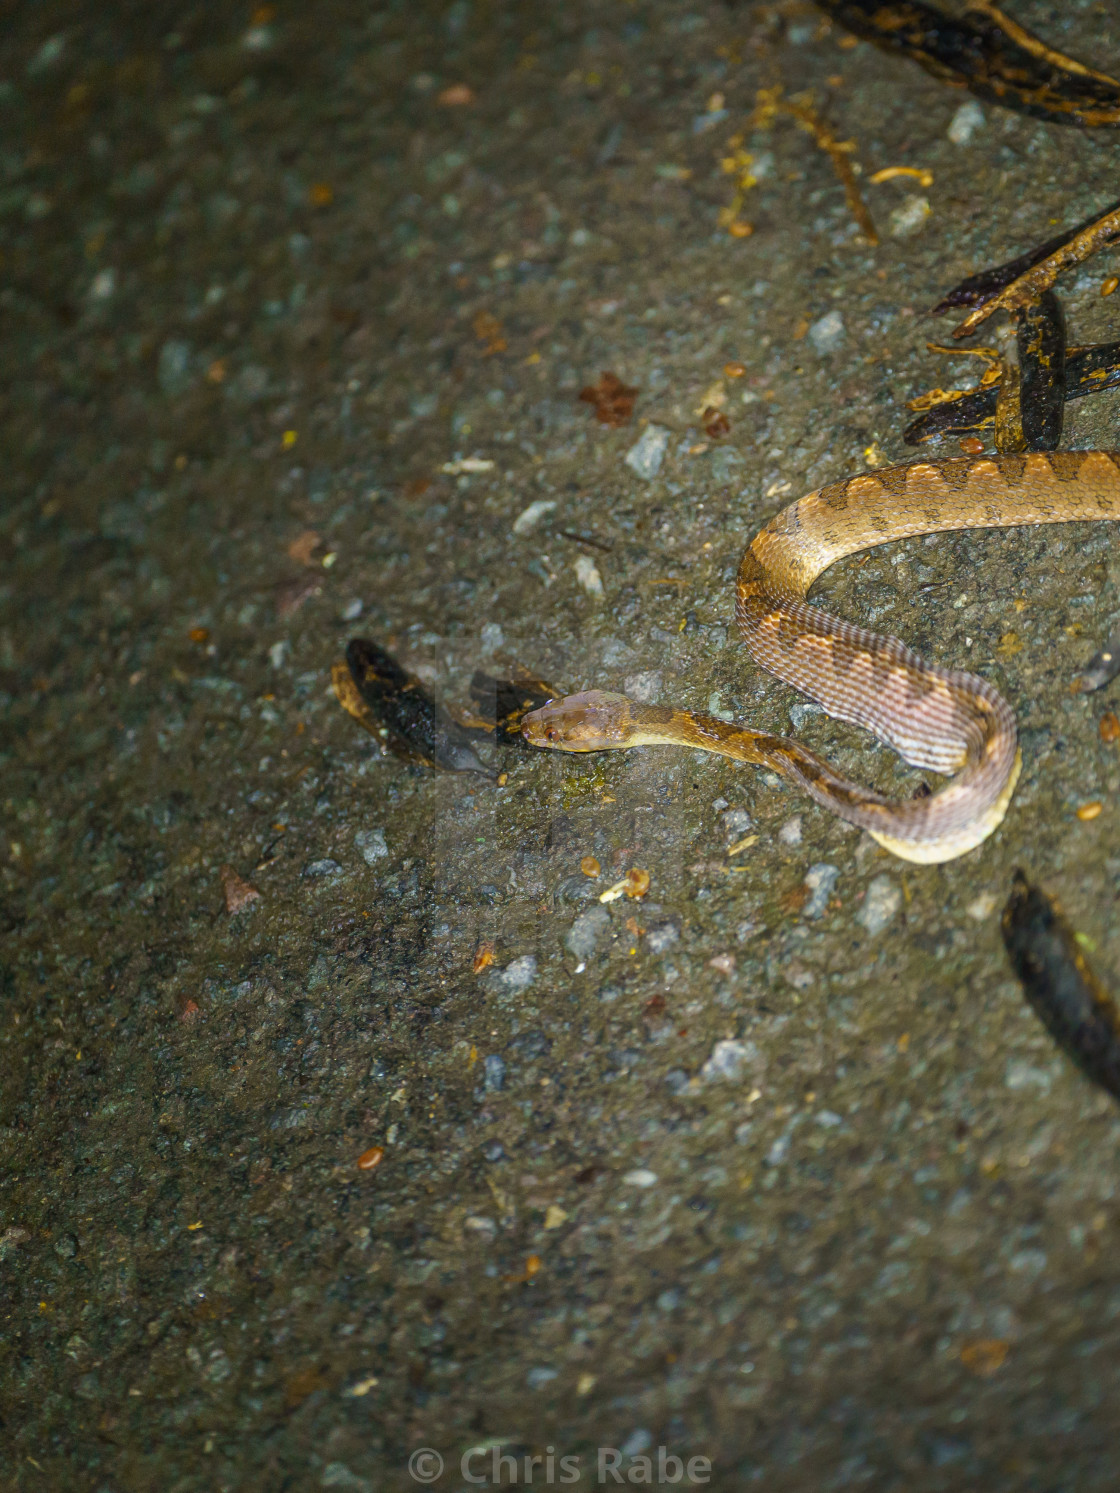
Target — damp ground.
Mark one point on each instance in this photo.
(425, 1145)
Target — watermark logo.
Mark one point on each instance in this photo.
(490, 1466)
(425, 1465)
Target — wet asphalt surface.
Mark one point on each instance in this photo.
(770, 1166)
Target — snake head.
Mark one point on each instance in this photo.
(591, 722)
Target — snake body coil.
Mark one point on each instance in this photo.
(944, 720)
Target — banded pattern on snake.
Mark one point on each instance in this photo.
(947, 721)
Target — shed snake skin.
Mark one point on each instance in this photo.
(946, 721)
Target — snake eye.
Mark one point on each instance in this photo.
(552, 734)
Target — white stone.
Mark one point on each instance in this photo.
(519, 974)
(586, 931)
(909, 217)
(529, 518)
(965, 122)
(648, 452)
(728, 1060)
(790, 832)
(827, 334)
(884, 898)
(491, 637)
(587, 573)
(371, 845)
(645, 687)
(983, 906)
(820, 879)
(1022, 1075)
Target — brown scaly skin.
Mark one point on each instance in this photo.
(944, 720)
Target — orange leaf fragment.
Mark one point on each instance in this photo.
(716, 423)
(637, 883)
(734, 370)
(488, 329)
(239, 892)
(483, 957)
(590, 866)
(985, 1356)
(199, 634)
(303, 546)
(1110, 727)
(612, 400)
(320, 194)
(456, 93)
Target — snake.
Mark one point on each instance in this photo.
(945, 721)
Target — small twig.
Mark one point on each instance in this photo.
(769, 105)
(598, 544)
(1041, 276)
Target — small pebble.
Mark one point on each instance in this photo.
(827, 334)
(1109, 285)
(790, 832)
(803, 711)
(323, 868)
(538, 1378)
(820, 879)
(965, 122)
(371, 1159)
(239, 892)
(644, 688)
(371, 845)
(662, 936)
(586, 931)
(884, 898)
(1022, 1075)
(494, 1073)
(173, 371)
(587, 573)
(910, 217)
(736, 823)
(723, 963)
(640, 1177)
(646, 455)
(518, 975)
(528, 520)
(982, 907)
(590, 866)
(1090, 810)
(727, 1061)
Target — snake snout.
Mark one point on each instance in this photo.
(589, 722)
